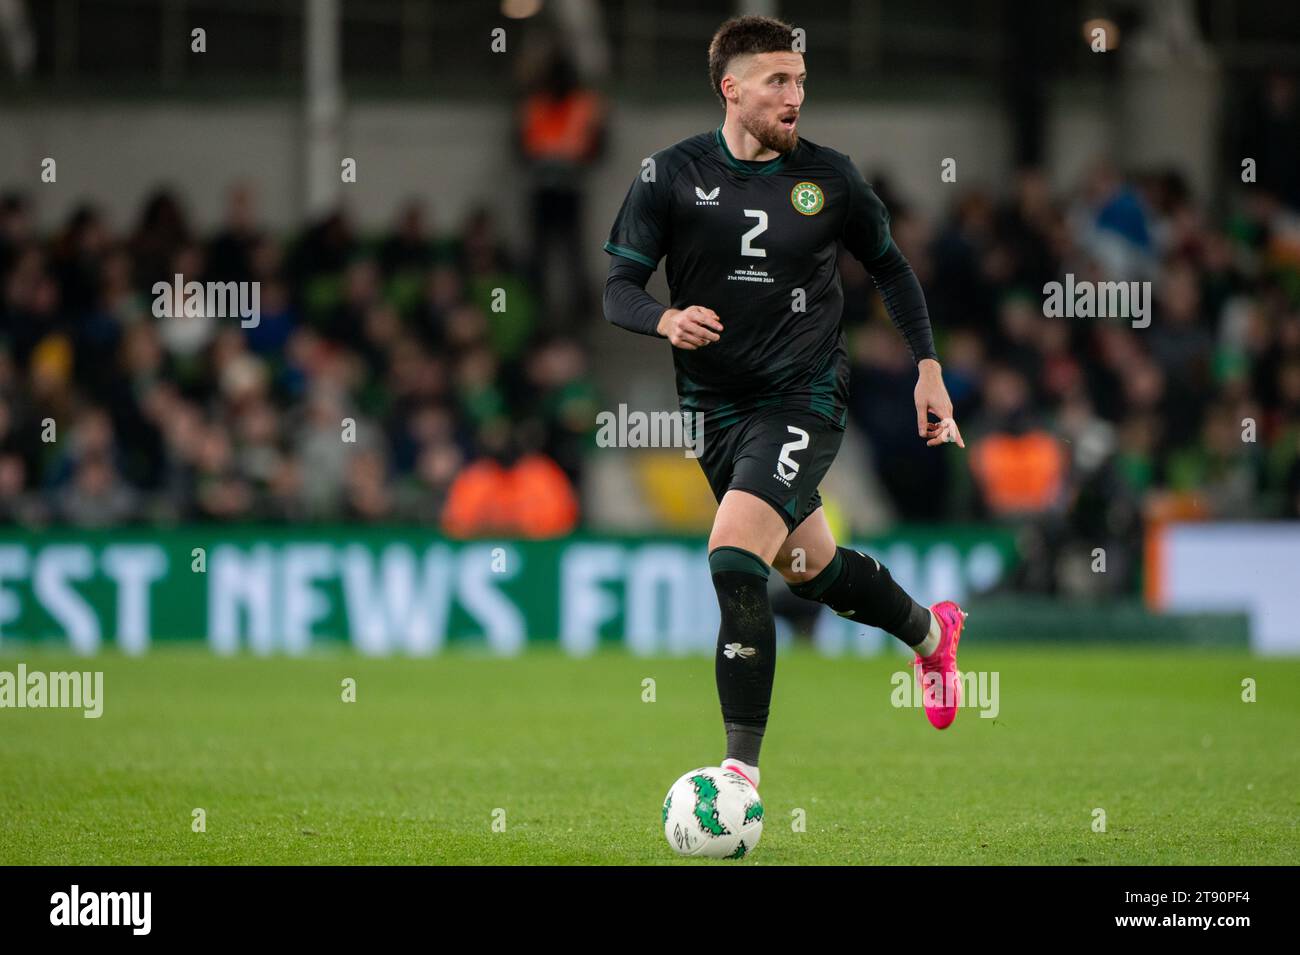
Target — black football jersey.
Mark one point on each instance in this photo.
(756, 242)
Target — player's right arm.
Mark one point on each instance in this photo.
(628, 305)
(637, 241)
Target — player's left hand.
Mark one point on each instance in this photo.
(932, 396)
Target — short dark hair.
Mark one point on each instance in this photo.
(741, 35)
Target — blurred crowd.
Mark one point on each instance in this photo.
(398, 378)
(416, 376)
(1082, 430)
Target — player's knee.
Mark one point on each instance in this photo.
(781, 563)
(796, 567)
(790, 575)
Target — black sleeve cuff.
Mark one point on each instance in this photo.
(627, 303)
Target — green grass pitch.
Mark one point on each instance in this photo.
(413, 771)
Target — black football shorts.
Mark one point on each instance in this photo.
(776, 453)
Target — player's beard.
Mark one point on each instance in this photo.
(771, 134)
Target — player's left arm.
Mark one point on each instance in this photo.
(866, 235)
(905, 302)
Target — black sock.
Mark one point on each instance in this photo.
(862, 589)
(746, 660)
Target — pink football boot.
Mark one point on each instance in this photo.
(937, 674)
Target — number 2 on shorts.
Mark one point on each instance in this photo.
(786, 466)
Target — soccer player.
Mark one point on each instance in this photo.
(750, 217)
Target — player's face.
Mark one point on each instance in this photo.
(770, 90)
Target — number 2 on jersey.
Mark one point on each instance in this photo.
(746, 245)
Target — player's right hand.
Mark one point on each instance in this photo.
(690, 328)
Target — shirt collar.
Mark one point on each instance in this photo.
(741, 167)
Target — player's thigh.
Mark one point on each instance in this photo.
(717, 454)
(742, 520)
(748, 522)
(807, 551)
(782, 458)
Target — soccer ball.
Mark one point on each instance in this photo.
(713, 812)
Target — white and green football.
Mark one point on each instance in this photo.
(714, 813)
